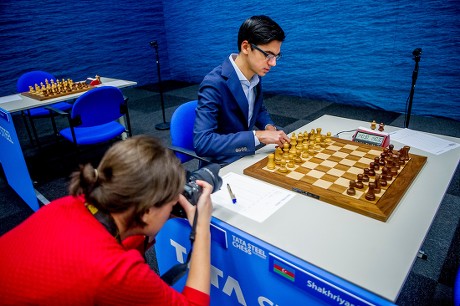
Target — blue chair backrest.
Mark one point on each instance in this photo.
(31, 78)
(457, 288)
(181, 128)
(98, 106)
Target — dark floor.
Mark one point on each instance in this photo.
(430, 282)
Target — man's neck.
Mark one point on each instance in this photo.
(243, 65)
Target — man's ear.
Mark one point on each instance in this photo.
(245, 47)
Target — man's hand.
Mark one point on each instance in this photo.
(272, 136)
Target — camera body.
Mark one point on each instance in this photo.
(192, 191)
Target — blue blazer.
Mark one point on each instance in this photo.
(221, 132)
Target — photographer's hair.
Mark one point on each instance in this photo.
(137, 172)
(259, 30)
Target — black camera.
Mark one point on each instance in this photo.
(192, 191)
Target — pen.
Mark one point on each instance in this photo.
(232, 195)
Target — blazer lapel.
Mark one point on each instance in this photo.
(234, 85)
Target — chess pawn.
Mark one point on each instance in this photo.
(318, 131)
(278, 155)
(371, 169)
(370, 195)
(365, 175)
(373, 125)
(318, 143)
(382, 181)
(381, 127)
(384, 153)
(405, 151)
(299, 142)
(282, 168)
(305, 137)
(376, 163)
(305, 151)
(386, 175)
(402, 160)
(393, 171)
(390, 148)
(300, 138)
(328, 138)
(397, 161)
(323, 141)
(351, 190)
(271, 161)
(359, 182)
(285, 150)
(298, 158)
(291, 163)
(377, 188)
(293, 141)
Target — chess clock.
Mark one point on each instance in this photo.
(371, 137)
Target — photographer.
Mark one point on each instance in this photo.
(87, 248)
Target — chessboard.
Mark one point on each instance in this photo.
(365, 179)
(53, 89)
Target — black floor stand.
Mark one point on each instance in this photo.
(164, 125)
(416, 53)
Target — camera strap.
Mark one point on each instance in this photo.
(176, 272)
(106, 220)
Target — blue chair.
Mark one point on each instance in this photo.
(181, 130)
(30, 79)
(457, 288)
(95, 116)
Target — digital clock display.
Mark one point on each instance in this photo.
(369, 138)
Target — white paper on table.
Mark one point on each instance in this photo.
(422, 141)
(256, 200)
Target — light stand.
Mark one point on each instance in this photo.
(164, 125)
(416, 53)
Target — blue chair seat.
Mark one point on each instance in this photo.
(44, 112)
(30, 79)
(94, 134)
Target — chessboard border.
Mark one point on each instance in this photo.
(381, 209)
(62, 94)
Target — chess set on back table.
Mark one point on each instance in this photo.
(363, 178)
(57, 88)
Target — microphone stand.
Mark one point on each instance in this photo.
(164, 125)
(416, 53)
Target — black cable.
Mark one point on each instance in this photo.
(337, 135)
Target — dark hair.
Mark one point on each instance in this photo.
(137, 172)
(259, 30)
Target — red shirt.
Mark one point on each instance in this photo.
(63, 255)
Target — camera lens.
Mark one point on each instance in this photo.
(192, 191)
(209, 174)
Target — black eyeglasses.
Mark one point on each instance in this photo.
(268, 56)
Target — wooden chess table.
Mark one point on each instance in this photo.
(326, 175)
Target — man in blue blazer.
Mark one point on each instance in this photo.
(231, 119)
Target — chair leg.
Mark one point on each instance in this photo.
(32, 142)
(53, 122)
(34, 130)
